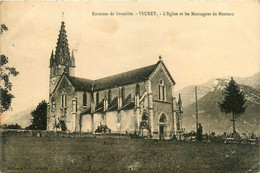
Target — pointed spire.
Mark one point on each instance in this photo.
(72, 52)
(72, 59)
(62, 54)
(51, 59)
(180, 103)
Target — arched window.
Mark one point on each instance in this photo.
(64, 100)
(161, 90)
(123, 93)
(53, 104)
(92, 96)
(162, 118)
(137, 89)
(84, 99)
(109, 97)
(97, 98)
(74, 105)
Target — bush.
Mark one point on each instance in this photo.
(102, 129)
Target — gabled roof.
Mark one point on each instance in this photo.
(126, 78)
(130, 77)
(81, 84)
(169, 75)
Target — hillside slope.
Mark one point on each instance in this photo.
(188, 95)
(213, 120)
(253, 81)
(22, 118)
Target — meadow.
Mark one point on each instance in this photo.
(57, 154)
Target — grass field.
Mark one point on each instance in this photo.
(120, 155)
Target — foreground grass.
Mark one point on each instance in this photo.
(93, 154)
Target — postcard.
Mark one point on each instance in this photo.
(118, 86)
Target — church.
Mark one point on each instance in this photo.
(138, 102)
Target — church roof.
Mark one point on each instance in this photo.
(130, 77)
(81, 84)
(122, 79)
(126, 78)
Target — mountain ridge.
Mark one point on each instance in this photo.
(22, 118)
(213, 119)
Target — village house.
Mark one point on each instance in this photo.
(138, 101)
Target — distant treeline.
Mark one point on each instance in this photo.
(10, 126)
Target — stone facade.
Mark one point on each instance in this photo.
(139, 101)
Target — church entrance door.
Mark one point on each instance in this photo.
(162, 126)
(63, 126)
(161, 132)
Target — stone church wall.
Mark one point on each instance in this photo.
(129, 89)
(112, 121)
(155, 82)
(66, 87)
(79, 96)
(98, 119)
(127, 120)
(166, 108)
(86, 123)
(70, 122)
(51, 121)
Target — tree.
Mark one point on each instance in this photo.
(233, 101)
(3, 28)
(39, 121)
(5, 86)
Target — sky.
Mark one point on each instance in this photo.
(195, 49)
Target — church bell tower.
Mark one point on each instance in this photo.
(61, 62)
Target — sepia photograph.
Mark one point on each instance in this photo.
(130, 86)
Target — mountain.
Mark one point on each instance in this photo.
(253, 81)
(22, 118)
(209, 83)
(213, 120)
(188, 94)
